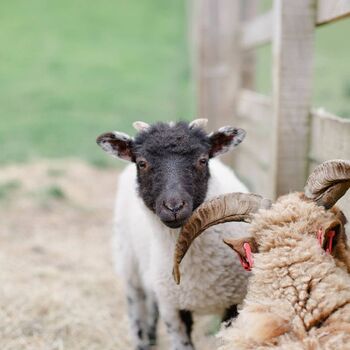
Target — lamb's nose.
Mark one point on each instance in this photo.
(174, 206)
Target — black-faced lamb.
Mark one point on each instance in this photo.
(173, 172)
(299, 291)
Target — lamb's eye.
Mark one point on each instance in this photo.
(203, 161)
(142, 164)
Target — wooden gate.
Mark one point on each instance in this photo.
(286, 137)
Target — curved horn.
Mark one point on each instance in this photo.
(225, 208)
(198, 123)
(328, 182)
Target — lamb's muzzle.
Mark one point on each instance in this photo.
(328, 182)
(225, 208)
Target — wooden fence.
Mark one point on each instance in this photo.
(286, 137)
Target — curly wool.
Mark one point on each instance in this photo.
(298, 296)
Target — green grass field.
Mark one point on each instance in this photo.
(70, 70)
(73, 69)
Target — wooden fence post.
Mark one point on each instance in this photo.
(293, 49)
(249, 11)
(218, 61)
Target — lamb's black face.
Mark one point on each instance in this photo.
(172, 164)
(172, 170)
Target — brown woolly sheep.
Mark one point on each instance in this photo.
(299, 292)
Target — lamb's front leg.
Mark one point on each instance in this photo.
(143, 332)
(179, 327)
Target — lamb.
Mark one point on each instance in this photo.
(174, 174)
(299, 292)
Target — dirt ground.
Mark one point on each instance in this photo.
(58, 289)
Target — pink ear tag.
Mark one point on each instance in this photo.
(248, 252)
(247, 261)
(331, 235)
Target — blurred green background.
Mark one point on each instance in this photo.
(70, 70)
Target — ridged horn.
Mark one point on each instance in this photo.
(198, 123)
(225, 208)
(328, 182)
(141, 126)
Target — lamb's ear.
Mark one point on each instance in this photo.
(117, 144)
(243, 247)
(225, 139)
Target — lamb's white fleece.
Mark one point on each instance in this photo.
(212, 279)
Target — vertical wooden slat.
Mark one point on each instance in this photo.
(293, 44)
(193, 21)
(218, 61)
(249, 11)
(247, 73)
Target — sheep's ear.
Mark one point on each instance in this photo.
(340, 250)
(225, 139)
(237, 244)
(339, 215)
(117, 144)
(243, 247)
(331, 235)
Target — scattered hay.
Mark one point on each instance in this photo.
(58, 289)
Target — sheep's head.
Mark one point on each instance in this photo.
(172, 163)
(290, 222)
(296, 214)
